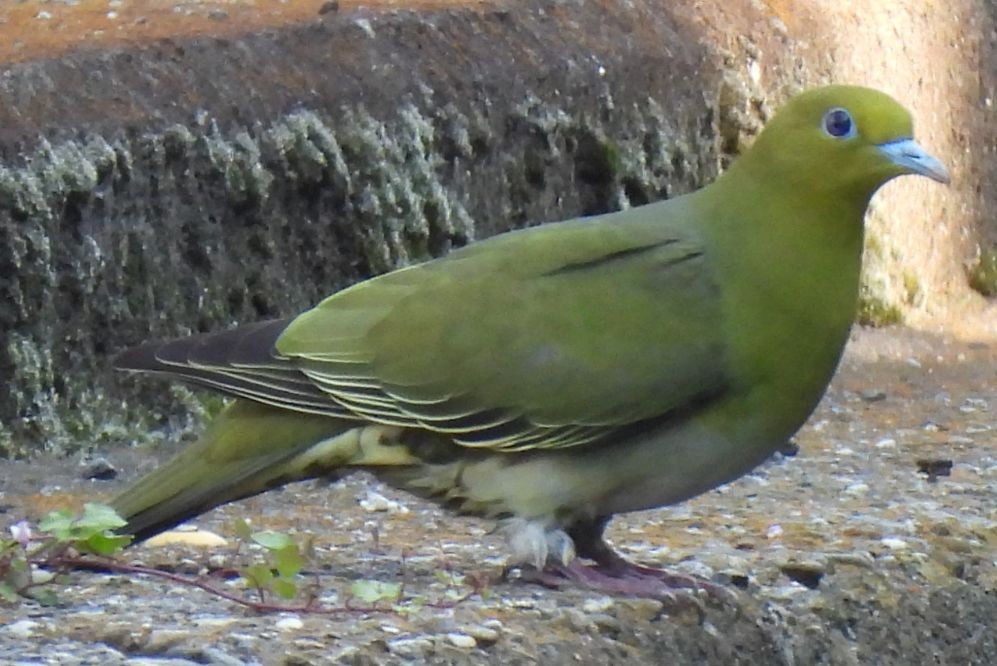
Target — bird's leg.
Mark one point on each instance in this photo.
(590, 545)
(612, 573)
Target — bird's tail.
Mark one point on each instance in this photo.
(249, 448)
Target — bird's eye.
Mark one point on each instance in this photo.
(838, 123)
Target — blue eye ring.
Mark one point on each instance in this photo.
(838, 124)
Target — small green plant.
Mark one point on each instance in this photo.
(35, 560)
(29, 558)
(278, 574)
(373, 592)
(90, 533)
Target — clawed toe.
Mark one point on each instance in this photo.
(629, 581)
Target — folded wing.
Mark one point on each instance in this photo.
(551, 337)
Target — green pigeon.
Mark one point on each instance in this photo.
(552, 377)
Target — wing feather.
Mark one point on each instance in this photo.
(552, 337)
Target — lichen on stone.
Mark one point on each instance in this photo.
(983, 275)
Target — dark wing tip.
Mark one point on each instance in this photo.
(143, 357)
(251, 344)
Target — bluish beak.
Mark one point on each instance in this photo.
(909, 155)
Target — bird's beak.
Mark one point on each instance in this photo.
(910, 156)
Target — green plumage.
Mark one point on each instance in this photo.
(558, 375)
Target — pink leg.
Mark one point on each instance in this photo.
(613, 574)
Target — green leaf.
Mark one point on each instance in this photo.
(284, 588)
(8, 593)
(106, 544)
(58, 523)
(272, 540)
(288, 561)
(101, 517)
(372, 591)
(411, 606)
(46, 596)
(242, 529)
(258, 575)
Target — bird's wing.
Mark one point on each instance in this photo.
(547, 338)
(550, 337)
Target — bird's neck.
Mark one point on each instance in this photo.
(789, 262)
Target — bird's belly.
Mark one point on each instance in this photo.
(652, 470)
(679, 464)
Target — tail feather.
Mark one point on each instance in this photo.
(248, 449)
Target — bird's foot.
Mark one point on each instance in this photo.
(626, 579)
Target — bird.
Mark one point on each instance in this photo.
(552, 377)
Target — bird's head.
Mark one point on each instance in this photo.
(842, 139)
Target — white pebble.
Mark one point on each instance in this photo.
(482, 633)
(22, 628)
(375, 502)
(290, 623)
(413, 647)
(600, 605)
(462, 641)
(894, 544)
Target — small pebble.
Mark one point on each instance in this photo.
(216, 657)
(873, 395)
(482, 634)
(894, 544)
(462, 641)
(199, 538)
(599, 605)
(100, 470)
(290, 623)
(412, 647)
(856, 489)
(934, 467)
(375, 502)
(22, 628)
(808, 574)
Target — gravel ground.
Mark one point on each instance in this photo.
(875, 543)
